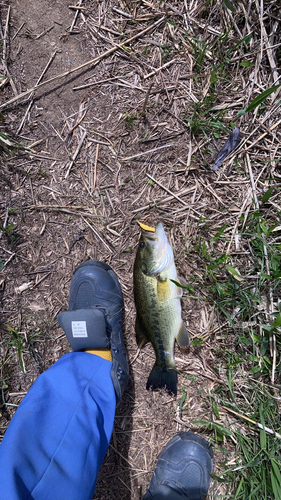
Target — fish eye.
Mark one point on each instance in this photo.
(142, 244)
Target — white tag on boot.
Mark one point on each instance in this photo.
(79, 329)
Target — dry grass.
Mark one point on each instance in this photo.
(118, 110)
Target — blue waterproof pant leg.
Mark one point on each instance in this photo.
(55, 443)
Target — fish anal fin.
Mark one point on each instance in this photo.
(140, 334)
(163, 379)
(183, 337)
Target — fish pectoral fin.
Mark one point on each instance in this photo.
(140, 334)
(182, 281)
(179, 290)
(183, 337)
(163, 289)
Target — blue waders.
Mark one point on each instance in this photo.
(56, 442)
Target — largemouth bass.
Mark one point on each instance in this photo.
(158, 305)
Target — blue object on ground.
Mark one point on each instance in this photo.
(231, 143)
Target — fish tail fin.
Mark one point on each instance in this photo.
(163, 379)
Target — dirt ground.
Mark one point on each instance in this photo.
(79, 181)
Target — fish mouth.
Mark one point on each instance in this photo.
(151, 232)
(156, 237)
(162, 252)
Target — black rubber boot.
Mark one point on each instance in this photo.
(183, 469)
(94, 318)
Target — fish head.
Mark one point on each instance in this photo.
(154, 253)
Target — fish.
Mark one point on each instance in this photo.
(158, 306)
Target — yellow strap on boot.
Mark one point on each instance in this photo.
(103, 353)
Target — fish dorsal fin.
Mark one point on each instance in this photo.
(163, 289)
(140, 334)
(183, 337)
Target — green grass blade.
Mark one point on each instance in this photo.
(262, 431)
(229, 5)
(267, 195)
(239, 488)
(246, 39)
(215, 409)
(261, 97)
(275, 477)
(233, 271)
(277, 321)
